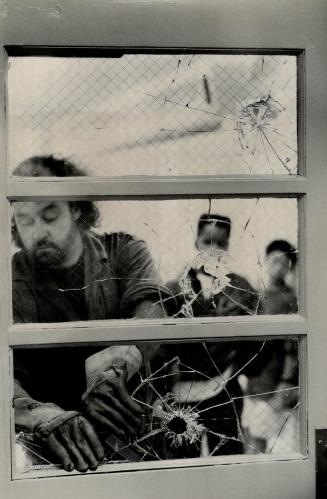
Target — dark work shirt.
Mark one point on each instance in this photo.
(115, 273)
(71, 283)
(118, 273)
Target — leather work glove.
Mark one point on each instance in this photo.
(106, 402)
(67, 434)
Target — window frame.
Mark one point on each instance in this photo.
(142, 188)
(305, 324)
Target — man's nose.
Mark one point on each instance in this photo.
(41, 231)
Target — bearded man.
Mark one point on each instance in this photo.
(65, 271)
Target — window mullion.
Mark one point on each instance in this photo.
(101, 331)
(154, 186)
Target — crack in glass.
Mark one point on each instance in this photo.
(158, 114)
(181, 418)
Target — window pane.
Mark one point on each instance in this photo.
(141, 259)
(157, 114)
(188, 400)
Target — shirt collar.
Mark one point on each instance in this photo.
(94, 244)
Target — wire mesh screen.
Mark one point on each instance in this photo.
(157, 114)
(195, 400)
(194, 257)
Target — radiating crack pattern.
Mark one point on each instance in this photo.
(187, 411)
(158, 114)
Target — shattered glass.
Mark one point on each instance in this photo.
(164, 114)
(199, 399)
(157, 114)
(198, 277)
(259, 132)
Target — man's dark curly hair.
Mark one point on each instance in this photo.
(50, 166)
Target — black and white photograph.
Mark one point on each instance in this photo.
(139, 259)
(162, 241)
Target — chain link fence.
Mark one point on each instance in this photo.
(157, 114)
(170, 229)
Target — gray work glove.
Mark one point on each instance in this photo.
(108, 405)
(67, 434)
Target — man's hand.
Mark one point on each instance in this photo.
(108, 405)
(68, 435)
(76, 444)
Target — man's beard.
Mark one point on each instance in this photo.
(47, 255)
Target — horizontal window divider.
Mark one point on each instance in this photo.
(25, 335)
(119, 50)
(129, 187)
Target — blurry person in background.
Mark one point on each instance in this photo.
(279, 297)
(64, 271)
(276, 408)
(208, 287)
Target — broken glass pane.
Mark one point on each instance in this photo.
(157, 114)
(195, 399)
(83, 260)
(183, 258)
